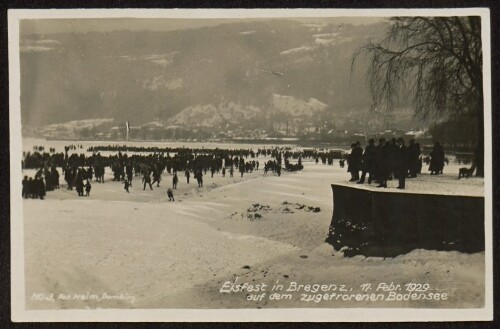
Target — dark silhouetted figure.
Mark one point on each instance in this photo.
(414, 157)
(156, 177)
(199, 178)
(25, 187)
(170, 194)
(368, 165)
(401, 168)
(437, 159)
(242, 169)
(31, 188)
(79, 183)
(130, 174)
(175, 180)
(126, 185)
(39, 188)
(147, 180)
(354, 161)
(87, 188)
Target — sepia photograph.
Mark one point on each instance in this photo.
(250, 165)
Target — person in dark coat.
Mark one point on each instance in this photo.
(90, 173)
(402, 161)
(414, 158)
(242, 169)
(392, 157)
(130, 174)
(199, 178)
(383, 162)
(187, 174)
(170, 194)
(437, 159)
(146, 179)
(40, 188)
(55, 177)
(31, 188)
(68, 177)
(156, 177)
(351, 163)
(48, 180)
(126, 186)
(368, 164)
(358, 151)
(25, 187)
(79, 183)
(87, 188)
(175, 180)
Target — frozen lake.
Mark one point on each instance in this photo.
(179, 254)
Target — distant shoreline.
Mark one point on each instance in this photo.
(290, 141)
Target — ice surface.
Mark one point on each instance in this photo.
(178, 254)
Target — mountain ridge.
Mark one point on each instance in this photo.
(140, 76)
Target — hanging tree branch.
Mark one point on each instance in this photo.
(433, 64)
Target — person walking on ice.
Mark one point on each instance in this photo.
(147, 180)
(170, 194)
(199, 178)
(175, 180)
(87, 188)
(127, 184)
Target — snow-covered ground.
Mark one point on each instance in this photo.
(137, 250)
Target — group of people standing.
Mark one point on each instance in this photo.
(384, 161)
(79, 169)
(33, 188)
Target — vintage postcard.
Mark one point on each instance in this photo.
(250, 165)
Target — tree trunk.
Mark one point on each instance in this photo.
(479, 152)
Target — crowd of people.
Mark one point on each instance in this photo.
(391, 159)
(376, 163)
(79, 170)
(33, 188)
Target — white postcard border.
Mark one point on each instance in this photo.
(20, 314)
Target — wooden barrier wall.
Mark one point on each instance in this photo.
(388, 224)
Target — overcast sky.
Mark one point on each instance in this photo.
(48, 26)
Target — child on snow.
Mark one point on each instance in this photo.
(170, 194)
(87, 188)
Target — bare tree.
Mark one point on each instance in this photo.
(433, 64)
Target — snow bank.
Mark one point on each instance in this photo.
(179, 254)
